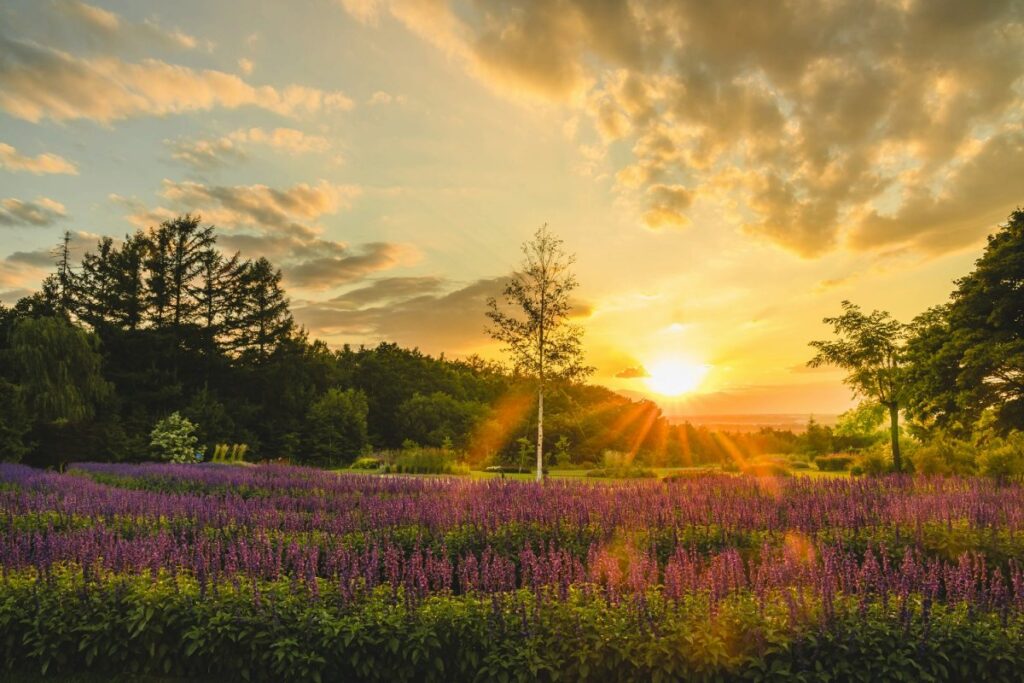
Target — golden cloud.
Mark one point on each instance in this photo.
(792, 112)
(40, 164)
(42, 212)
(38, 82)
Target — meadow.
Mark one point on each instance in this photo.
(270, 573)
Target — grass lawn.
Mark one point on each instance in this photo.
(661, 473)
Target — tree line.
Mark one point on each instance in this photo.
(164, 321)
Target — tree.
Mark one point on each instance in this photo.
(14, 423)
(537, 334)
(59, 368)
(968, 356)
(871, 349)
(173, 439)
(430, 419)
(336, 425)
(264, 319)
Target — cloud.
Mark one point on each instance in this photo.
(207, 153)
(815, 123)
(450, 321)
(42, 212)
(245, 66)
(280, 224)
(668, 205)
(286, 211)
(380, 98)
(38, 82)
(633, 373)
(41, 164)
(103, 29)
(22, 271)
(330, 271)
(975, 198)
(388, 289)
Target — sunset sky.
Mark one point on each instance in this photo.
(726, 172)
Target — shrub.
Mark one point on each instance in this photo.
(876, 461)
(695, 473)
(173, 439)
(367, 463)
(945, 455)
(623, 472)
(1003, 459)
(856, 471)
(833, 463)
(417, 460)
(765, 469)
(799, 465)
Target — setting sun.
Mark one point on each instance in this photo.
(675, 376)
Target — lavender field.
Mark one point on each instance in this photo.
(272, 572)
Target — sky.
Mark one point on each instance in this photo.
(726, 173)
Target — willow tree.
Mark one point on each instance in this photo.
(533, 321)
(871, 348)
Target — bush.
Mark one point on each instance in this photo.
(695, 473)
(799, 465)
(765, 469)
(416, 460)
(833, 463)
(512, 469)
(367, 463)
(876, 462)
(946, 456)
(173, 439)
(623, 472)
(1003, 459)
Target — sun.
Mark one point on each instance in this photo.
(675, 376)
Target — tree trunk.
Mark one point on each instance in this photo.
(540, 434)
(894, 434)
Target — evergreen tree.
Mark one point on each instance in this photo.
(264, 320)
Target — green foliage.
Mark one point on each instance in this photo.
(414, 459)
(160, 628)
(623, 472)
(367, 462)
(59, 368)
(871, 348)
(15, 422)
(946, 455)
(1003, 458)
(432, 419)
(173, 439)
(968, 355)
(875, 462)
(860, 428)
(561, 454)
(229, 454)
(765, 468)
(817, 439)
(336, 426)
(833, 463)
